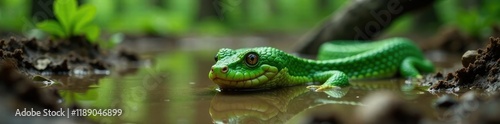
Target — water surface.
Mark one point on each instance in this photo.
(175, 88)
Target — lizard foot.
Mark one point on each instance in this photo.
(322, 88)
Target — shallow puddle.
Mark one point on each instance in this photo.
(175, 89)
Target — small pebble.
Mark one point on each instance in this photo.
(42, 63)
(469, 57)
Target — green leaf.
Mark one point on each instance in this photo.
(91, 32)
(64, 9)
(51, 27)
(84, 15)
(40, 78)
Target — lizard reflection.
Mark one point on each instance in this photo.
(276, 106)
(280, 105)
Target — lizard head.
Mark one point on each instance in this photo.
(249, 68)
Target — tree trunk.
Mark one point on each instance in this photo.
(210, 9)
(360, 20)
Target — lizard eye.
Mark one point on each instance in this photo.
(252, 59)
(216, 57)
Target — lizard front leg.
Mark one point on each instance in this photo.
(330, 79)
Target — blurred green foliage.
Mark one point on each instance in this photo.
(182, 17)
(143, 16)
(473, 17)
(13, 15)
(187, 17)
(177, 17)
(401, 26)
(72, 21)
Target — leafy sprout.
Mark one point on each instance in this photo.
(71, 21)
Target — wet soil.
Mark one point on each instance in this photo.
(17, 92)
(482, 73)
(25, 90)
(75, 55)
(387, 107)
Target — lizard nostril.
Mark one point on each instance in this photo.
(224, 69)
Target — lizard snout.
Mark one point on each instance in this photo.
(222, 69)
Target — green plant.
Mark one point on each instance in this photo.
(475, 20)
(72, 21)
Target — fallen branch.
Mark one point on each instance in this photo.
(360, 20)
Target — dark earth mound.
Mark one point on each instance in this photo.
(470, 108)
(386, 107)
(24, 91)
(75, 55)
(18, 92)
(482, 73)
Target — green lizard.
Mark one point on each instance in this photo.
(339, 61)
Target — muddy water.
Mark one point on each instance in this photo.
(174, 88)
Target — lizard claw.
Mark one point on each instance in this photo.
(322, 88)
(313, 87)
(414, 80)
(420, 78)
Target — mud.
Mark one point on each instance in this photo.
(75, 55)
(24, 91)
(386, 107)
(483, 73)
(471, 107)
(18, 92)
